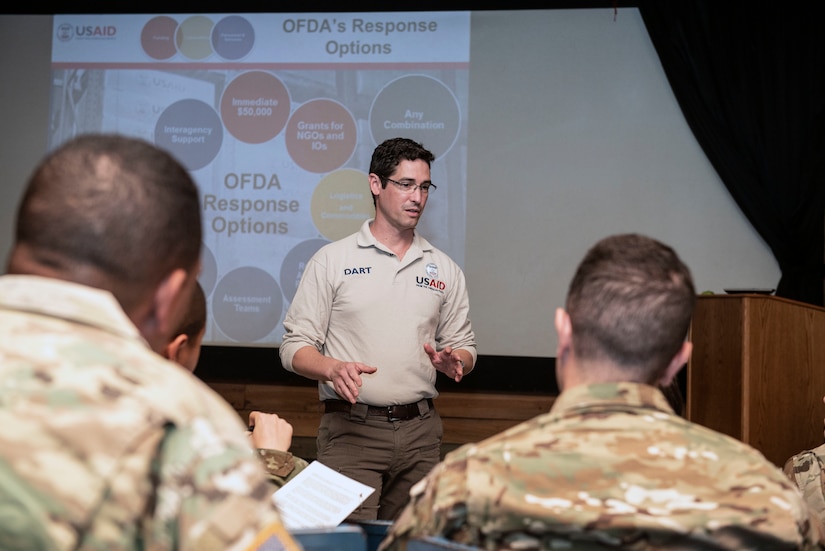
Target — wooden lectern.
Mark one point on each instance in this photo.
(757, 371)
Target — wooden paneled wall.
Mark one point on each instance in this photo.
(757, 371)
(467, 416)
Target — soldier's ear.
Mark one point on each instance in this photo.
(564, 330)
(166, 308)
(173, 349)
(676, 364)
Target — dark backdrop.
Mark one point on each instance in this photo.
(750, 80)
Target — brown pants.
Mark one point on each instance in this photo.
(389, 456)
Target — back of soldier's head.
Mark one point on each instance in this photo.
(109, 211)
(630, 303)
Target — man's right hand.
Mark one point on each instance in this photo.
(346, 378)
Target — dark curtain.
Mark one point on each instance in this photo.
(750, 80)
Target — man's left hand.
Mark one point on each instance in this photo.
(446, 361)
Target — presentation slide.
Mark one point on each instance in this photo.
(552, 129)
(276, 117)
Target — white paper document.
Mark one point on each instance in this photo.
(319, 497)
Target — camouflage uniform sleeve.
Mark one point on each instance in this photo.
(805, 471)
(213, 494)
(281, 466)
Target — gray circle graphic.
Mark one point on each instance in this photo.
(418, 107)
(191, 131)
(247, 304)
(233, 37)
(292, 268)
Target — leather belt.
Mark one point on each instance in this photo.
(401, 412)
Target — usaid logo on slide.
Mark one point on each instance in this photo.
(431, 282)
(67, 32)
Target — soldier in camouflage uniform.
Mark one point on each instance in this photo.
(104, 444)
(805, 469)
(611, 465)
(271, 435)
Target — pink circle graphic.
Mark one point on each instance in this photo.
(255, 107)
(157, 38)
(321, 136)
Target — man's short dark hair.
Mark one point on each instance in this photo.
(389, 153)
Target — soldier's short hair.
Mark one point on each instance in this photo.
(116, 204)
(631, 301)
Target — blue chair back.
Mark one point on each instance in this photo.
(376, 530)
(344, 537)
(437, 543)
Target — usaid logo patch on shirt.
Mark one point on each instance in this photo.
(432, 281)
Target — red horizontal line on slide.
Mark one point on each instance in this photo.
(266, 66)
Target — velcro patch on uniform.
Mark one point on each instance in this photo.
(274, 538)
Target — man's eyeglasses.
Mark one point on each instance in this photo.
(410, 187)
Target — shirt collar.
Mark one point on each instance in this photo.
(610, 395)
(365, 238)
